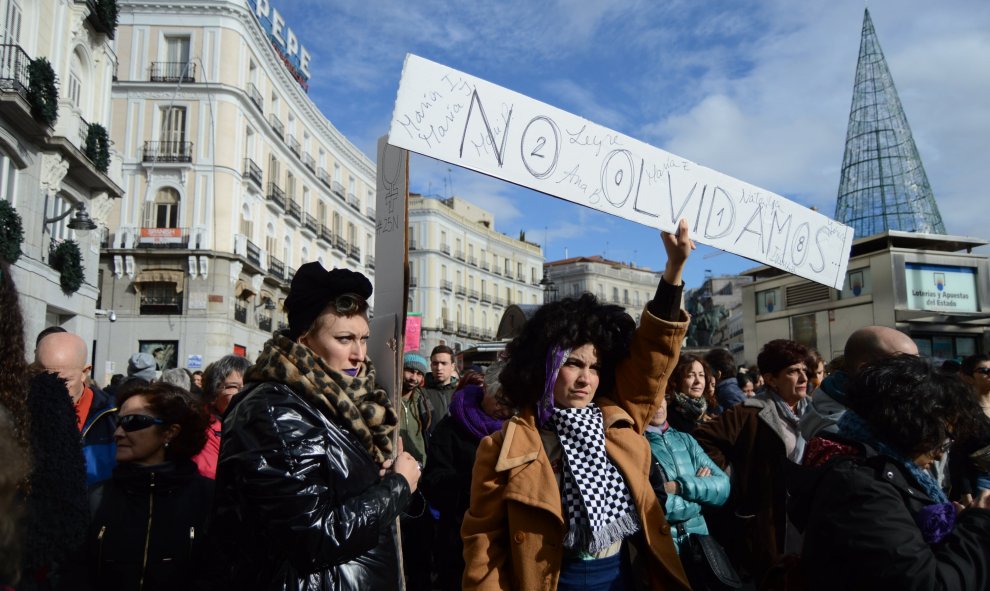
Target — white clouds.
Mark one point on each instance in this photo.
(759, 89)
(781, 124)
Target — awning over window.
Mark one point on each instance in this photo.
(176, 278)
(243, 290)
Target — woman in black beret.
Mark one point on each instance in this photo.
(307, 492)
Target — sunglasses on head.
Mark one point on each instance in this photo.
(137, 422)
(349, 303)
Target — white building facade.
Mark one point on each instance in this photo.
(46, 172)
(463, 273)
(234, 178)
(610, 281)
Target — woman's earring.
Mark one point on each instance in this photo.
(166, 444)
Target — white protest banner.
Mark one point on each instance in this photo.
(451, 116)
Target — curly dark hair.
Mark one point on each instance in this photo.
(912, 405)
(176, 406)
(682, 368)
(14, 374)
(568, 323)
(781, 353)
(216, 373)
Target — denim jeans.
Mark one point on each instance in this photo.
(603, 574)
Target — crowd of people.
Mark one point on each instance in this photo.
(593, 455)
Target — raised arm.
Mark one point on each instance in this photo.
(641, 379)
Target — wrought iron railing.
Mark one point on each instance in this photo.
(167, 152)
(13, 69)
(294, 209)
(276, 268)
(276, 195)
(255, 95)
(253, 172)
(277, 126)
(253, 253)
(173, 72)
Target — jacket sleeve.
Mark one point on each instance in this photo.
(283, 481)
(880, 543)
(718, 438)
(485, 531)
(710, 490)
(441, 483)
(677, 509)
(641, 378)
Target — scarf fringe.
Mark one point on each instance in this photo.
(603, 538)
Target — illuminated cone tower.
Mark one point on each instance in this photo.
(883, 184)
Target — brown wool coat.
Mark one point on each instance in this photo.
(514, 531)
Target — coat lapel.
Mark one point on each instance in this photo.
(530, 477)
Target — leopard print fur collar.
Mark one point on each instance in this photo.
(354, 403)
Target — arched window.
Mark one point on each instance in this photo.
(163, 212)
(247, 226)
(78, 78)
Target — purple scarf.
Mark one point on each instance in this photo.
(466, 409)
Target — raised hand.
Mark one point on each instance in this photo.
(678, 247)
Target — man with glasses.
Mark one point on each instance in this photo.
(65, 354)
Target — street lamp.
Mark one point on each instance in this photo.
(267, 303)
(81, 222)
(549, 288)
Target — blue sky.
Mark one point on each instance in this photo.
(759, 90)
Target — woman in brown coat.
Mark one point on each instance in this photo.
(561, 497)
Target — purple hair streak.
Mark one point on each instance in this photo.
(555, 359)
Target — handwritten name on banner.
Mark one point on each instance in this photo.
(451, 116)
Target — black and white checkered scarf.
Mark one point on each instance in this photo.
(596, 501)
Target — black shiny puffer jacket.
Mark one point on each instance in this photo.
(299, 503)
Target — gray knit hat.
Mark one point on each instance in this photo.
(142, 365)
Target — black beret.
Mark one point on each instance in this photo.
(313, 288)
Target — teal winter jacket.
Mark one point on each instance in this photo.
(681, 457)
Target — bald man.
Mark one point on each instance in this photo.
(65, 354)
(866, 345)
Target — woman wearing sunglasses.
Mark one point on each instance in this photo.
(307, 490)
(873, 515)
(148, 528)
